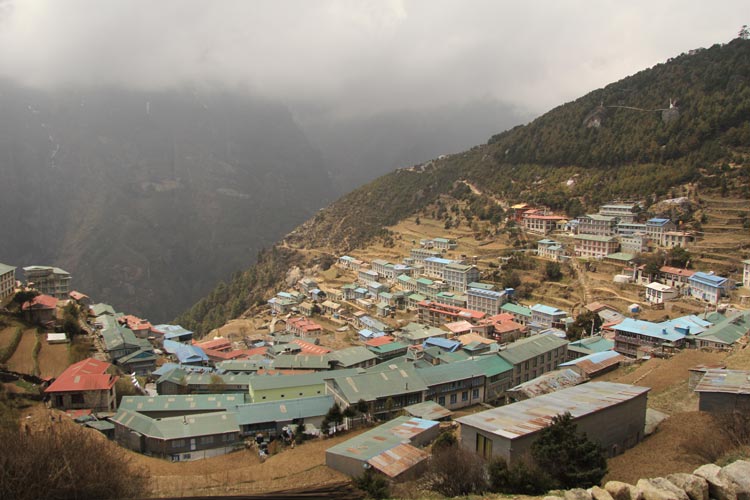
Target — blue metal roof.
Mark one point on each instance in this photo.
(663, 331)
(450, 345)
(439, 260)
(185, 353)
(490, 294)
(708, 279)
(546, 309)
(596, 357)
(657, 221)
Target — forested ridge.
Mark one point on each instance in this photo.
(578, 155)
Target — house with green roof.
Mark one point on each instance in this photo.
(388, 351)
(498, 376)
(534, 356)
(189, 437)
(7, 280)
(284, 387)
(454, 385)
(725, 333)
(589, 345)
(352, 357)
(521, 314)
(384, 391)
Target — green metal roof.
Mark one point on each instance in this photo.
(204, 424)
(492, 365)
(181, 403)
(301, 361)
(351, 356)
(450, 372)
(99, 309)
(593, 344)
(592, 237)
(382, 384)
(729, 330)
(5, 268)
(282, 411)
(270, 382)
(481, 286)
(418, 331)
(389, 347)
(530, 347)
(516, 309)
(382, 438)
(621, 256)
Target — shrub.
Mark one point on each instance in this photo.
(444, 440)
(375, 485)
(65, 462)
(455, 471)
(552, 271)
(523, 477)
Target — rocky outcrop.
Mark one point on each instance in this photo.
(706, 482)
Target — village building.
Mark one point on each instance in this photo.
(612, 415)
(724, 391)
(350, 263)
(436, 314)
(589, 345)
(41, 310)
(454, 385)
(635, 337)
(545, 384)
(550, 250)
(84, 385)
(391, 449)
(385, 392)
(725, 333)
(452, 299)
(302, 362)
(541, 223)
(416, 333)
(307, 285)
(656, 228)
(502, 328)
(439, 243)
(624, 212)
(676, 277)
(521, 314)
(458, 276)
(7, 280)
(48, 280)
(175, 333)
(388, 350)
(140, 327)
(627, 228)
(598, 247)
(671, 239)
(186, 354)
(708, 287)
(543, 317)
(657, 293)
(535, 355)
(303, 327)
(486, 301)
(434, 267)
(634, 243)
(283, 387)
(595, 364)
(746, 273)
(597, 224)
(418, 255)
(352, 357)
(189, 437)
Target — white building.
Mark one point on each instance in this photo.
(588, 245)
(625, 212)
(746, 273)
(550, 249)
(597, 224)
(458, 276)
(47, 280)
(7, 280)
(657, 293)
(486, 301)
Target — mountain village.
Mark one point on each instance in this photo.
(405, 347)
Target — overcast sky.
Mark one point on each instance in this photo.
(352, 57)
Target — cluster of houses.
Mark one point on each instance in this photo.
(614, 231)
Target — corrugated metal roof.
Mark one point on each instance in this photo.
(188, 426)
(428, 410)
(282, 411)
(726, 381)
(384, 437)
(531, 347)
(181, 403)
(549, 382)
(529, 416)
(397, 460)
(371, 386)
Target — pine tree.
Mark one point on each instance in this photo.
(569, 456)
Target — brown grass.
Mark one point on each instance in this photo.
(22, 360)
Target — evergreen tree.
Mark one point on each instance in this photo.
(568, 456)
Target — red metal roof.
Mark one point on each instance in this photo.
(309, 348)
(676, 270)
(77, 295)
(87, 375)
(40, 302)
(218, 344)
(378, 341)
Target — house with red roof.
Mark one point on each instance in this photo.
(84, 385)
(41, 310)
(140, 327)
(81, 299)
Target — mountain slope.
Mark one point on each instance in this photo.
(149, 199)
(562, 159)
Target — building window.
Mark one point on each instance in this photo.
(453, 399)
(441, 400)
(465, 396)
(207, 440)
(484, 446)
(475, 394)
(76, 398)
(178, 443)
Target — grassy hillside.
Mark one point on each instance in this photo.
(573, 158)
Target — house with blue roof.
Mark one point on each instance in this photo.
(656, 227)
(175, 333)
(186, 354)
(708, 287)
(544, 317)
(634, 337)
(444, 344)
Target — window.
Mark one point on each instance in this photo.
(484, 446)
(206, 440)
(465, 396)
(178, 443)
(453, 399)
(441, 400)
(475, 394)
(76, 398)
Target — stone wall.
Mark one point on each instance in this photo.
(708, 482)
